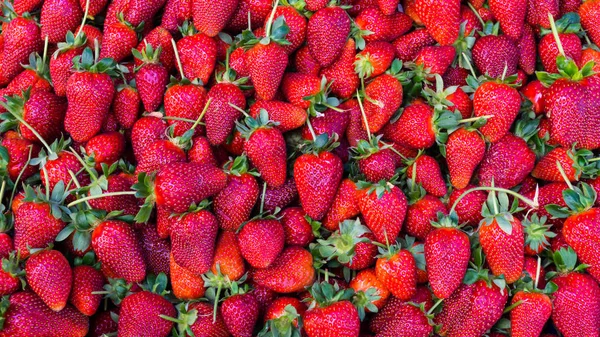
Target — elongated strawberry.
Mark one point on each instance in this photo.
(531, 315)
(506, 162)
(199, 230)
(291, 272)
(327, 33)
(397, 270)
(500, 101)
(461, 166)
(18, 151)
(90, 91)
(186, 284)
(211, 18)
(58, 17)
(565, 43)
(159, 36)
(344, 205)
(588, 12)
(119, 38)
(50, 277)
(331, 303)
(297, 226)
(341, 73)
(61, 61)
(383, 96)
(442, 19)
(228, 259)
(528, 50)
(151, 77)
(126, 105)
(383, 207)
(86, 280)
(198, 53)
(425, 170)
(375, 161)
(221, 116)
(511, 15)
(422, 210)
(494, 52)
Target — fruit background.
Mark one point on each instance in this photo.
(314, 168)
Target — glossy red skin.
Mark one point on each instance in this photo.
(546, 169)
(28, 79)
(277, 308)
(86, 280)
(126, 106)
(464, 151)
(186, 284)
(537, 12)
(355, 131)
(106, 148)
(326, 34)
(259, 11)
(414, 128)
(220, 117)
(297, 229)
(329, 122)
(408, 321)
(145, 131)
(18, 152)
(500, 101)
(89, 97)
(492, 52)
(198, 55)
(573, 112)
(291, 272)
(58, 169)
(158, 154)
(35, 227)
(534, 91)
(582, 232)
(129, 204)
(193, 240)
(58, 17)
(240, 313)
(22, 6)
(261, 241)
(339, 319)
(462, 103)
(177, 185)
(304, 63)
(140, 315)
(395, 306)
(114, 242)
(28, 315)
(280, 196)
(49, 276)
(447, 254)
(45, 112)
(344, 205)
(511, 15)
(95, 6)
(266, 65)
(386, 90)
(578, 295)
(505, 252)
(441, 18)
(201, 152)
(21, 38)
(151, 80)
(408, 46)
(6, 245)
(288, 116)
(429, 175)
(528, 50)
(210, 19)
(588, 12)
(296, 23)
(548, 50)
(317, 178)
(117, 41)
(379, 54)
(365, 254)
(436, 58)
(184, 101)
(228, 256)
(398, 274)
(420, 214)
(507, 162)
(266, 150)
(159, 37)
(529, 318)
(366, 279)
(384, 27)
(233, 205)
(296, 86)
(175, 13)
(204, 325)
(383, 216)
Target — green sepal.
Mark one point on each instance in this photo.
(325, 294)
(565, 260)
(579, 199)
(341, 244)
(537, 232)
(283, 326)
(363, 302)
(88, 62)
(145, 190)
(567, 69)
(321, 143)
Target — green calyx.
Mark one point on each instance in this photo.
(115, 290)
(365, 148)
(380, 188)
(582, 164)
(219, 286)
(185, 319)
(39, 65)
(463, 45)
(156, 284)
(148, 55)
(476, 272)
(88, 62)
(276, 32)
(12, 266)
(89, 259)
(145, 189)
(71, 42)
(239, 166)
(579, 199)
(565, 260)
(55, 148)
(55, 200)
(187, 29)
(82, 221)
(446, 221)
(321, 143)
(321, 101)
(324, 294)
(567, 69)
(14, 106)
(416, 249)
(499, 209)
(569, 23)
(537, 232)
(341, 244)
(363, 301)
(284, 325)
(527, 127)
(250, 124)
(414, 191)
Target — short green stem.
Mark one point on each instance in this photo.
(92, 197)
(529, 202)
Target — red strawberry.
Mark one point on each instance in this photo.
(287, 116)
(422, 210)
(460, 165)
(441, 18)
(531, 315)
(500, 101)
(186, 284)
(35, 75)
(89, 94)
(106, 148)
(366, 280)
(376, 26)
(198, 53)
(436, 59)
(197, 317)
(140, 315)
(528, 50)
(280, 197)
(384, 212)
(425, 170)
(261, 241)
(304, 63)
(297, 26)
(240, 313)
(344, 205)
(21, 37)
(375, 161)
(62, 61)
(408, 46)
(49, 276)
(344, 81)
(295, 87)
(198, 230)
(18, 150)
(221, 116)
(419, 137)
(297, 228)
(327, 32)
(126, 105)
(506, 162)
(151, 77)
(86, 280)
(176, 12)
(330, 307)
(396, 269)
(113, 242)
(211, 18)
(588, 11)
(184, 99)
(511, 15)
(574, 164)
(291, 272)
(570, 45)
(257, 10)
(266, 65)
(495, 55)
(537, 12)
(375, 59)
(58, 17)
(228, 257)
(119, 39)
(383, 98)
(159, 36)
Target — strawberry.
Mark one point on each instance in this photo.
(283, 314)
(159, 36)
(442, 19)
(460, 165)
(317, 174)
(570, 45)
(355, 131)
(365, 280)
(577, 296)
(198, 53)
(573, 162)
(330, 304)
(28, 315)
(295, 87)
(35, 75)
(176, 12)
(228, 258)
(547, 195)
(156, 251)
(209, 18)
(23, 6)
(571, 123)
(114, 241)
(588, 12)
(265, 147)
(500, 101)
(106, 148)
(86, 279)
(126, 105)
(510, 15)
(257, 10)
(495, 55)
(506, 162)
(425, 170)
(280, 197)
(528, 50)
(220, 116)
(11, 275)
(375, 59)
(186, 284)
(422, 210)
(240, 313)
(58, 17)
(436, 59)
(537, 234)
(375, 161)
(534, 91)
(151, 77)
(501, 237)
(330, 122)
(291, 272)
(395, 305)
(119, 39)
(50, 277)
(61, 61)
(327, 32)
(348, 245)
(304, 63)
(21, 37)
(383, 207)
(531, 315)
(184, 100)
(383, 96)
(537, 12)
(397, 270)
(408, 45)
(142, 11)
(89, 94)
(197, 229)
(286, 116)
(19, 151)
(408, 320)
(297, 228)
(344, 205)
(141, 313)
(418, 114)
(261, 241)
(297, 26)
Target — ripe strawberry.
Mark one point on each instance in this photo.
(228, 257)
(417, 114)
(193, 239)
(577, 296)
(425, 170)
(89, 94)
(280, 197)
(384, 211)
(49, 276)
(140, 315)
(397, 270)
(408, 46)
(198, 53)
(304, 63)
(568, 27)
(187, 100)
(58, 17)
(240, 312)
(588, 11)
(500, 101)
(186, 284)
(510, 15)
(537, 12)
(408, 320)
(86, 280)
(18, 150)
(156, 250)
(375, 59)
(297, 26)
(34, 75)
(573, 162)
(258, 11)
(435, 59)
(106, 148)
(297, 228)
(286, 116)
(531, 315)
(327, 32)
(113, 242)
(350, 245)
(220, 116)
(330, 304)
(383, 98)
(119, 39)
(394, 305)
(62, 61)
(151, 77)
(375, 161)
(23, 6)
(495, 55)
(376, 26)
(295, 87)
(261, 241)
(176, 12)
(317, 174)
(330, 122)
(126, 105)
(527, 48)
(291, 272)
(283, 315)
(422, 210)
(159, 36)
(460, 165)
(21, 37)
(344, 206)
(365, 280)
(506, 162)
(211, 18)
(442, 19)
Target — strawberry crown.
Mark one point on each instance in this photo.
(276, 32)
(148, 55)
(283, 325)
(156, 284)
(54, 149)
(527, 127)
(239, 166)
(229, 75)
(364, 300)
(39, 65)
(569, 23)
(55, 199)
(71, 42)
(567, 69)
(415, 248)
(446, 221)
(185, 319)
(380, 188)
(340, 246)
(145, 189)
(88, 62)
(537, 232)
(565, 260)
(116, 290)
(499, 209)
(187, 28)
(88, 259)
(365, 148)
(583, 163)
(82, 220)
(477, 272)
(463, 44)
(578, 199)
(321, 101)
(12, 266)
(325, 294)
(414, 191)
(215, 283)
(14, 106)
(250, 124)
(321, 143)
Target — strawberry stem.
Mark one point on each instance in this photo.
(171, 118)
(437, 303)
(563, 174)
(2, 190)
(537, 271)
(470, 65)
(271, 17)
(12, 195)
(76, 182)
(555, 34)
(92, 197)
(83, 163)
(47, 182)
(474, 119)
(239, 109)
(201, 114)
(310, 128)
(476, 13)
(179, 66)
(512, 306)
(593, 160)
(34, 131)
(216, 304)
(531, 203)
(262, 197)
(363, 114)
(45, 54)
(87, 8)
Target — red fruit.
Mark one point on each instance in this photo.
(581, 233)
(441, 18)
(261, 241)
(193, 240)
(428, 175)
(404, 132)
(156, 250)
(35, 227)
(266, 65)
(257, 10)
(384, 98)
(534, 91)
(159, 37)
(421, 213)
(211, 18)
(49, 276)
(318, 321)
(288, 116)
(398, 273)
(86, 280)
(280, 197)
(530, 316)
(151, 78)
(228, 257)
(126, 105)
(511, 15)
(344, 80)
(503, 247)
(548, 50)
(18, 151)
(537, 12)
(506, 162)
(296, 23)
(184, 100)
(114, 242)
(408, 46)
(383, 214)
(140, 315)
(367, 279)
(186, 284)
(500, 101)
(588, 12)
(375, 59)
(118, 40)
(240, 313)
(436, 58)
(344, 206)
(201, 152)
(106, 148)
(220, 116)
(304, 63)
(233, 205)
(327, 32)
(527, 48)
(266, 149)
(382, 27)
(198, 54)
(298, 230)
(291, 272)
(465, 149)
(59, 17)
(296, 86)
(493, 53)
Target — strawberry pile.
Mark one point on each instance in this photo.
(313, 168)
